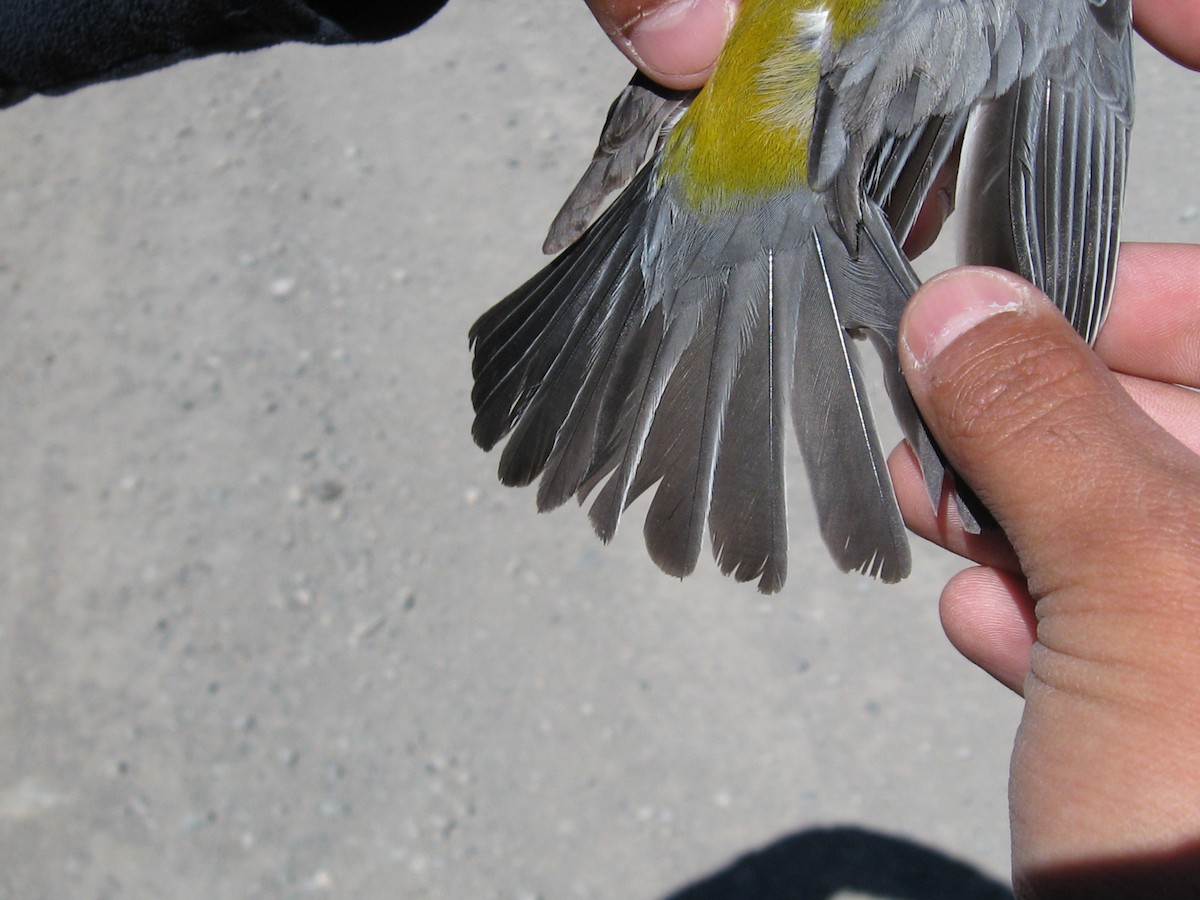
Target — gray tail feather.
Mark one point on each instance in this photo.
(688, 393)
(847, 467)
(748, 518)
(543, 333)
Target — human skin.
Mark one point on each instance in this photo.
(1088, 599)
(674, 42)
(1152, 342)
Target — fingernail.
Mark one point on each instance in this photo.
(953, 303)
(681, 38)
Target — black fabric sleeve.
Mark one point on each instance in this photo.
(54, 46)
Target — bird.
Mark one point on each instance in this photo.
(727, 248)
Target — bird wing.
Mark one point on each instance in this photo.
(642, 113)
(1045, 170)
(920, 61)
(891, 107)
(663, 349)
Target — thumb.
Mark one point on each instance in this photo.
(1099, 504)
(1075, 473)
(674, 42)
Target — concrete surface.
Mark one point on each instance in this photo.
(269, 627)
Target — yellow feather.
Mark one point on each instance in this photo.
(746, 134)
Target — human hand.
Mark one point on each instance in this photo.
(1089, 602)
(673, 42)
(1098, 498)
(1152, 341)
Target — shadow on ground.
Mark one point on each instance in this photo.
(820, 863)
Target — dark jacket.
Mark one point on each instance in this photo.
(55, 46)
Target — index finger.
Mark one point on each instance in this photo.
(1153, 327)
(1173, 26)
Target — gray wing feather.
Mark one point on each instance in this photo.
(927, 62)
(529, 334)
(907, 166)
(887, 281)
(585, 444)
(1045, 175)
(923, 60)
(640, 115)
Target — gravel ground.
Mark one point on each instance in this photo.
(269, 627)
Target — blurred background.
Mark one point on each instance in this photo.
(269, 627)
